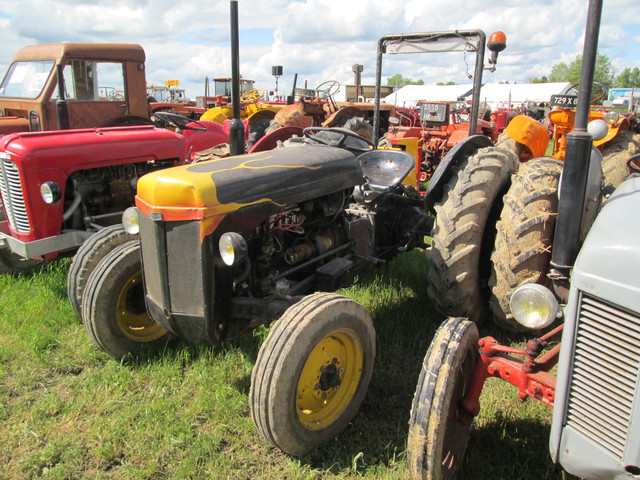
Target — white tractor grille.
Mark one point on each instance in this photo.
(13, 196)
(606, 369)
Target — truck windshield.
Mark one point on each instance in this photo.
(26, 79)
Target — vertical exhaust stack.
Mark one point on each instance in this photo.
(566, 242)
(236, 129)
(62, 108)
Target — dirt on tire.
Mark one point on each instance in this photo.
(615, 156)
(464, 233)
(524, 235)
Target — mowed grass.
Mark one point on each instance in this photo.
(69, 411)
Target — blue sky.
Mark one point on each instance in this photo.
(320, 39)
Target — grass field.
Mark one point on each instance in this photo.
(68, 411)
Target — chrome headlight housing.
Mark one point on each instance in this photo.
(51, 192)
(611, 117)
(130, 220)
(233, 248)
(533, 306)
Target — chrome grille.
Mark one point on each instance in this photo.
(606, 369)
(13, 196)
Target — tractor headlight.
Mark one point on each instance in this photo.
(50, 192)
(611, 117)
(130, 220)
(233, 248)
(533, 306)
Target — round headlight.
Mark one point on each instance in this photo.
(130, 220)
(233, 248)
(50, 192)
(598, 129)
(611, 117)
(533, 306)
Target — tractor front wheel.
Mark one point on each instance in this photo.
(10, 263)
(312, 372)
(113, 309)
(87, 258)
(438, 429)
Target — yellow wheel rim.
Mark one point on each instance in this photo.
(133, 320)
(329, 379)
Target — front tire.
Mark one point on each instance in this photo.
(94, 249)
(312, 372)
(464, 233)
(524, 237)
(437, 434)
(113, 309)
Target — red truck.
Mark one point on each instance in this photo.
(59, 187)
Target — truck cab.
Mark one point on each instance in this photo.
(104, 85)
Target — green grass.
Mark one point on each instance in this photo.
(69, 411)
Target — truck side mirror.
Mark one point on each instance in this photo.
(497, 43)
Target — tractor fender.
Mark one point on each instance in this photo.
(454, 157)
(529, 132)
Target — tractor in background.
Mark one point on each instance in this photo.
(440, 128)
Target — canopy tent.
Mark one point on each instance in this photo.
(496, 95)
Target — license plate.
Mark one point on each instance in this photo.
(569, 101)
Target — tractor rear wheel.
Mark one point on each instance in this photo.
(87, 258)
(616, 154)
(312, 372)
(464, 233)
(438, 433)
(524, 236)
(113, 308)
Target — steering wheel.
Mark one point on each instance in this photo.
(345, 134)
(252, 95)
(596, 93)
(331, 89)
(631, 163)
(179, 121)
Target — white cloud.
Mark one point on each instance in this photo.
(320, 39)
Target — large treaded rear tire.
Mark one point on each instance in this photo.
(464, 233)
(524, 235)
(616, 154)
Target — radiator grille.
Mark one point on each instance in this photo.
(606, 368)
(13, 196)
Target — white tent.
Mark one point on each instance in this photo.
(496, 95)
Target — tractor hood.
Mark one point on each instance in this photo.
(282, 176)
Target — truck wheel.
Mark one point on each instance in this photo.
(10, 263)
(437, 436)
(312, 372)
(524, 235)
(616, 154)
(113, 309)
(88, 256)
(464, 233)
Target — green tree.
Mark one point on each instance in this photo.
(542, 79)
(603, 72)
(628, 78)
(446, 83)
(400, 81)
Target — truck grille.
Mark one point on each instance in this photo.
(606, 369)
(13, 196)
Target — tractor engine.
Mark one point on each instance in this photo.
(100, 195)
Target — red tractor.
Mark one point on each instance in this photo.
(60, 187)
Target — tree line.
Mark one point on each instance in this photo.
(604, 73)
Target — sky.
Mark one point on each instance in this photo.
(321, 40)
